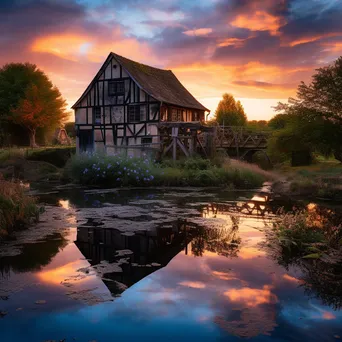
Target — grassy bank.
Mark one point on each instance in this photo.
(323, 179)
(17, 209)
(33, 165)
(116, 171)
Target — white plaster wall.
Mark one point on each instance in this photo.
(118, 114)
(81, 115)
(108, 71)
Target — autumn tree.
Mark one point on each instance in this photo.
(29, 99)
(230, 112)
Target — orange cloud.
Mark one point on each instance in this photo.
(305, 40)
(193, 284)
(65, 46)
(76, 46)
(252, 297)
(335, 47)
(259, 21)
(236, 42)
(199, 32)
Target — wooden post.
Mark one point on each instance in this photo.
(192, 143)
(174, 142)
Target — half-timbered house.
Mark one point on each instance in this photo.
(126, 101)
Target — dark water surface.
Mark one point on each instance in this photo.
(145, 265)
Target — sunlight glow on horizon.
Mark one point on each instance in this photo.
(256, 109)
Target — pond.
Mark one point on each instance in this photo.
(150, 265)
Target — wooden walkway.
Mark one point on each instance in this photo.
(193, 137)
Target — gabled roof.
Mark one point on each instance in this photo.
(161, 84)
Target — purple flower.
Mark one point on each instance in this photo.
(137, 178)
(151, 177)
(118, 179)
(125, 168)
(109, 166)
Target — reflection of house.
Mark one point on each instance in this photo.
(126, 101)
(151, 250)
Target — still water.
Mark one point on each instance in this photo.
(145, 265)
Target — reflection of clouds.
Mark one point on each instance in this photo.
(291, 279)
(252, 297)
(193, 284)
(247, 253)
(252, 322)
(57, 275)
(65, 204)
(224, 275)
(328, 315)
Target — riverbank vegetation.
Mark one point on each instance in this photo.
(119, 170)
(311, 233)
(311, 239)
(17, 209)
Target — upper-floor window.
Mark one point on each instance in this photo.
(136, 113)
(176, 114)
(97, 115)
(116, 88)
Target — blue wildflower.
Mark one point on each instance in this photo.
(118, 179)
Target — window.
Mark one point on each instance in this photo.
(116, 88)
(176, 115)
(146, 141)
(97, 115)
(136, 113)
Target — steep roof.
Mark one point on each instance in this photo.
(161, 84)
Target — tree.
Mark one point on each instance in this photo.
(314, 117)
(29, 99)
(229, 112)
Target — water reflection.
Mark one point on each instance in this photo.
(203, 278)
(34, 255)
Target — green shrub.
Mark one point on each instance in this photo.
(116, 170)
(56, 156)
(124, 171)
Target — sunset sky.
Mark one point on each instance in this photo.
(258, 50)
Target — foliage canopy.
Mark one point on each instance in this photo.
(313, 120)
(29, 99)
(230, 112)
